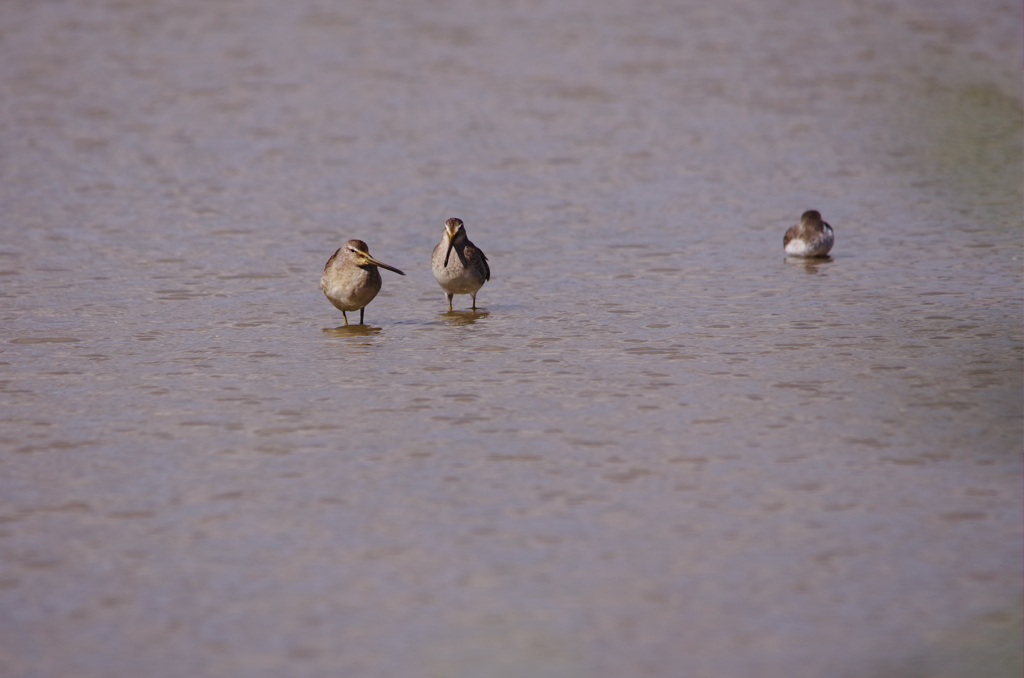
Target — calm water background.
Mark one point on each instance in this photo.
(659, 449)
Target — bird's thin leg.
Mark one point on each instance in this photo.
(474, 302)
(345, 317)
(361, 315)
(449, 301)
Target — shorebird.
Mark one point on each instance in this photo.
(351, 279)
(467, 271)
(812, 237)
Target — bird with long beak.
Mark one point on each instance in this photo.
(812, 237)
(351, 279)
(467, 271)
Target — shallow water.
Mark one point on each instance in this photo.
(658, 449)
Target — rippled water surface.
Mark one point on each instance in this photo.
(658, 448)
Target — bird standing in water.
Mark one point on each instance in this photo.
(351, 279)
(464, 273)
(812, 237)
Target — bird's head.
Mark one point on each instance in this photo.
(359, 253)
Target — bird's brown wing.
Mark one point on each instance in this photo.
(472, 254)
(331, 260)
(790, 234)
(487, 268)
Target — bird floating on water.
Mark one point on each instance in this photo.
(812, 237)
(464, 273)
(351, 279)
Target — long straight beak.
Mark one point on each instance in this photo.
(371, 260)
(451, 244)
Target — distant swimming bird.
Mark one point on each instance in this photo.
(467, 271)
(812, 237)
(351, 279)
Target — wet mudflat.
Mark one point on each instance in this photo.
(658, 448)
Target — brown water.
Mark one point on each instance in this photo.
(659, 449)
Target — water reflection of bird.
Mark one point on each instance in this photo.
(812, 237)
(351, 279)
(467, 271)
